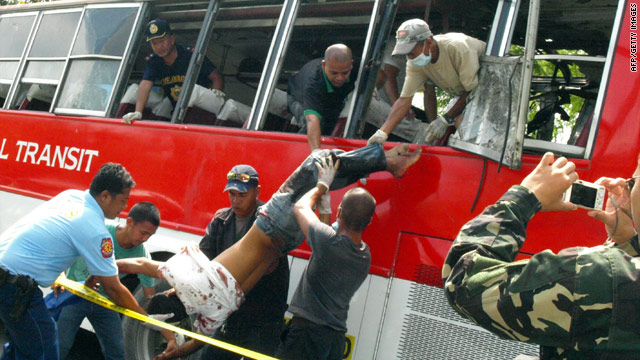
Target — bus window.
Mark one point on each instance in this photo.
(237, 48)
(95, 59)
(310, 38)
(15, 30)
(317, 27)
(564, 90)
(46, 59)
(566, 87)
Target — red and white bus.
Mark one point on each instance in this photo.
(65, 65)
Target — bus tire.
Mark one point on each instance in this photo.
(142, 343)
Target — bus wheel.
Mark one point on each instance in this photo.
(142, 343)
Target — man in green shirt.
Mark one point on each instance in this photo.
(142, 222)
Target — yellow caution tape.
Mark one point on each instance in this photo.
(95, 297)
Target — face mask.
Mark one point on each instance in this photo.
(335, 225)
(420, 60)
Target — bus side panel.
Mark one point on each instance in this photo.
(419, 320)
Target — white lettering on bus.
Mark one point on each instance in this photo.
(69, 158)
(3, 155)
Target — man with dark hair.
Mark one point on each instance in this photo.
(41, 245)
(142, 222)
(318, 92)
(115, 179)
(225, 280)
(169, 64)
(338, 265)
(581, 303)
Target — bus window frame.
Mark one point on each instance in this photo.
(19, 79)
(19, 60)
(587, 152)
(123, 60)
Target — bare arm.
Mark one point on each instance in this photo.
(139, 266)
(217, 80)
(188, 348)
(398, 111)
(148, 292)
(458, 107)
(430, 103)
(303, 209)
(314, 132)
(121, 296)
(391, 83)
(143, 94)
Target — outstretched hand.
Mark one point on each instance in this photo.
(549, 180)
(616, 215)
(171, 352)
(327, 171)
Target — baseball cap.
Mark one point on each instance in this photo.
(241, 178)
(409, 34)
(157, 28)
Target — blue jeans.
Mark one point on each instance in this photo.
(275, 218)
(106, 323)
(34, 336)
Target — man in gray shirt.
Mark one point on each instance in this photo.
(338, 266)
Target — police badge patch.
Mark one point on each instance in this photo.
(106, 247)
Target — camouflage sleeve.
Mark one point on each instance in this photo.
(497, 234)
(576, 303)
(632, 248)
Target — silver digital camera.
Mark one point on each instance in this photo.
(586, 195)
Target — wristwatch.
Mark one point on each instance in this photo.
(448, 118)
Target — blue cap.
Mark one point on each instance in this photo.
(234, 183)
(157, 28)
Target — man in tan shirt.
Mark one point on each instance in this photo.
(449, 61)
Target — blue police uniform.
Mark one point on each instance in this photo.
(42, 245)
(172, 77)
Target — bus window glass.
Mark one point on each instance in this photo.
(88, 85)
(96, 57)
(54, 35)
(15, 32)
(49, 70)
(45, 62)
(8, 70)
(104, 31)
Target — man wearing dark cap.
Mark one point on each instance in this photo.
(257, 324)
(318, 92)
(168, 64)
(449, 61)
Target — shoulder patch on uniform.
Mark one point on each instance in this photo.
(106, 247)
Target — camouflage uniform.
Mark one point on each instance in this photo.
(582, 303)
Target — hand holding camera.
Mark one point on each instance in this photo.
(549, 180)
(616, 215)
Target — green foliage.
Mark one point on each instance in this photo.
(16, 2)
(544, 69)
